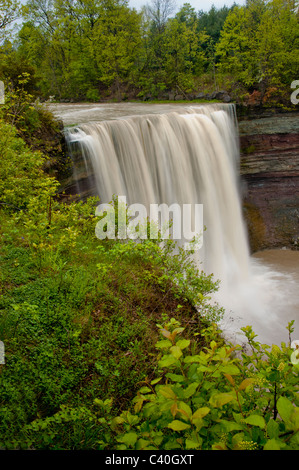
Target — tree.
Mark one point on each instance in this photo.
(117, 43)
(259, 45)
(159, 11)
(183, 55)
(9, 12)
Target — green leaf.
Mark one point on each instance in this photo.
(142, 444)
(221, 399)
(177, 425)
(231, 369)
(184, 409)
(190, 390)
(285, 408)
(245, 384)
(167, 392)
(272, 444)
(164, 344)
(155, 381)
(191, 359)
(229, 426)
(201, 412)
(175, 377)
(167, 361)
(273, 429)
(191, 444)
(183, 343)
(128, 439)
(256, 420)
(145, 390)
(176, 351)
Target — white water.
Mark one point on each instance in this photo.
(192, 156)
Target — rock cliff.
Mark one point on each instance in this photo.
(270, 180)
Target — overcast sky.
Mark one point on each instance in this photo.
(204, 5)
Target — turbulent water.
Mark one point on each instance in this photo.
(187, 156)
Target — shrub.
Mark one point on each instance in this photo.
(213, 400)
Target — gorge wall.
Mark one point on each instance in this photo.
(270, 180)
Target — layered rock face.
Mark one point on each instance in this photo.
(270, 180)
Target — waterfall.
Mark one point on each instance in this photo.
(174, 158)
(188, 156)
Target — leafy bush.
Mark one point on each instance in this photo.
(213, 400)
(22, 177)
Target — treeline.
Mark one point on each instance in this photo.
(102, 49)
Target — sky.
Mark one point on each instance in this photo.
(204, 5)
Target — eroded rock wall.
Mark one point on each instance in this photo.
(270, 180)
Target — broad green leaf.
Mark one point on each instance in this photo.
(183, 343)
(177, 331)
(191, 444)
(145, 390)
(175, 377)
(272, 444)
(190, 390)
(245, 384)
(198, 423)
(229, 426)
(176, 351)
(231, 369)
(201, 412)
(184, 409)
(167, 361)
(177, 425)
(285, 408)
(191, 359)
(221, 399)
(273, 429)
(237, 438)
(129, 439)
(116, 421)
(142, 444)
(256, 420)
(164, 344)
(167, 392)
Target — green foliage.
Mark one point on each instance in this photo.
(22, 179)
(87, 50)
(33, 122)
(259, 47)
(77, 314)
(213, 400)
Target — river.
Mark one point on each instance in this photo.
(271, 299)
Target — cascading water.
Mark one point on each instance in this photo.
(186, 157)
